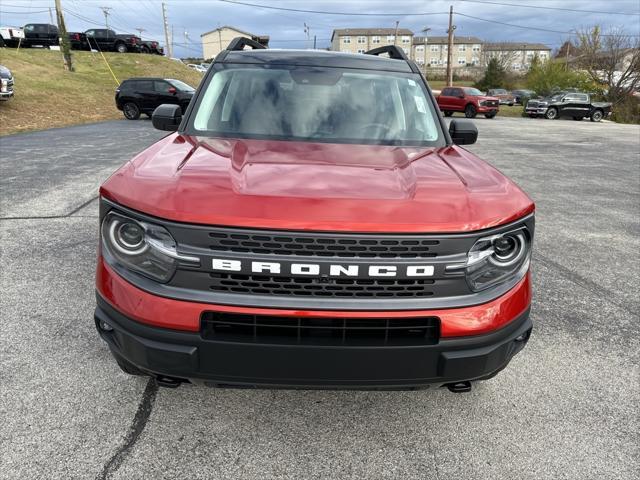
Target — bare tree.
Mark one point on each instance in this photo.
(612, 58)
(503, 52)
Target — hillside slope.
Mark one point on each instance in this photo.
(46, 96)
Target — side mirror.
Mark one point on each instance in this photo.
(167, 117)
(463, 132)
(172, 90)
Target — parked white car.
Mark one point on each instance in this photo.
(11, 36)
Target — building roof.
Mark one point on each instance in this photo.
(231, 28)
(512, 46)
(444, 40)
(341, 32)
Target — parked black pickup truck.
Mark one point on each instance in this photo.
(107, 40)
(568, 104)
(78, 41)
(151, 46)
(40, 34)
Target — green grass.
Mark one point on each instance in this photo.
(47, 96)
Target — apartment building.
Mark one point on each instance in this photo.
(433, 51)
(516, 56)
(359, 40)
(215, 41)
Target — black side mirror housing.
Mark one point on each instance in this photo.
(167, 117)
(463, 132)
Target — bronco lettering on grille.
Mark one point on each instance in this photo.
(331, 270)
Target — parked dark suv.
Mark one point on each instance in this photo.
(142, 95)
(40, 34)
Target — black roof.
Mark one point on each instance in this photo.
(313, 58)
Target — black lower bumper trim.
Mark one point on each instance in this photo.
(187, 356)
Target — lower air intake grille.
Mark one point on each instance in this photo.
(226, 327)
(298, 286)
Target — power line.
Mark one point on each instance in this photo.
(528, 27)
(286, 9)
(22, 13)
(563, 9)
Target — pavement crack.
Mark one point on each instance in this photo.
(53, 217)
(593, 287)
(135, 430)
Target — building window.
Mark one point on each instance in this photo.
(475, 61)
(361, 50)
(462, 61)
(476, 48)
(435, 48)
(406, 39)
(405, 50)
(419, 48)
(543, 54)
(434, 61)
(375, 39)
(346, 39)
(462, 48)
(362, 39)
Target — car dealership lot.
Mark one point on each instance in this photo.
(564, 408)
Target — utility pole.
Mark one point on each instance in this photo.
(140, 30)
(168, 49)
(452, 27)
(395, 35)
(307, 32)
(105, 11)
(425, 30)
(314, 41)
(64, 38)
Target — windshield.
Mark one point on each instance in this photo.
(181, 85)
(317, 104)
(473, 92)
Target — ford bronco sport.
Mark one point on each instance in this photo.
(311, 222)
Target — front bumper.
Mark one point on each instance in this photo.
(487, 109)
(6, 95)
(187, 356)
(536, 110)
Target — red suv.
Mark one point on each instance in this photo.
(311, 222)
(469, 100)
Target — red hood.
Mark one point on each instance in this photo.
(316, 186)
(482, 98)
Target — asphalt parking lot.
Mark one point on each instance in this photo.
(563, 409)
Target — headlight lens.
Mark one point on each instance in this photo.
(498, 258)
(139, 246)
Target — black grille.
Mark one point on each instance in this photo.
(322, 245)
(226, 327)
(311, 286)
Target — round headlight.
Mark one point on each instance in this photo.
(127, 237)
(508, 249)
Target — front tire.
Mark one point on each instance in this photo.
(144, 49)
(121, 48)
(551, 114)
(490, 115)
(448, 113)
(131, 111)
(470, 111)
(596, 116)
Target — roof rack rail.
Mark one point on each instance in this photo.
(393, 51)
(239, 43)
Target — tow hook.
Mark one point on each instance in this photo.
(168, 382)
(459, 387)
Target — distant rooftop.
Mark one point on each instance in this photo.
(514, 46)
(444, 40)
(341, 32)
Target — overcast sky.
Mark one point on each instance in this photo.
(286, 29)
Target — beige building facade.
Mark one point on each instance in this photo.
(432, 51)
(359, 40)
(215, 41)
(516, 56)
